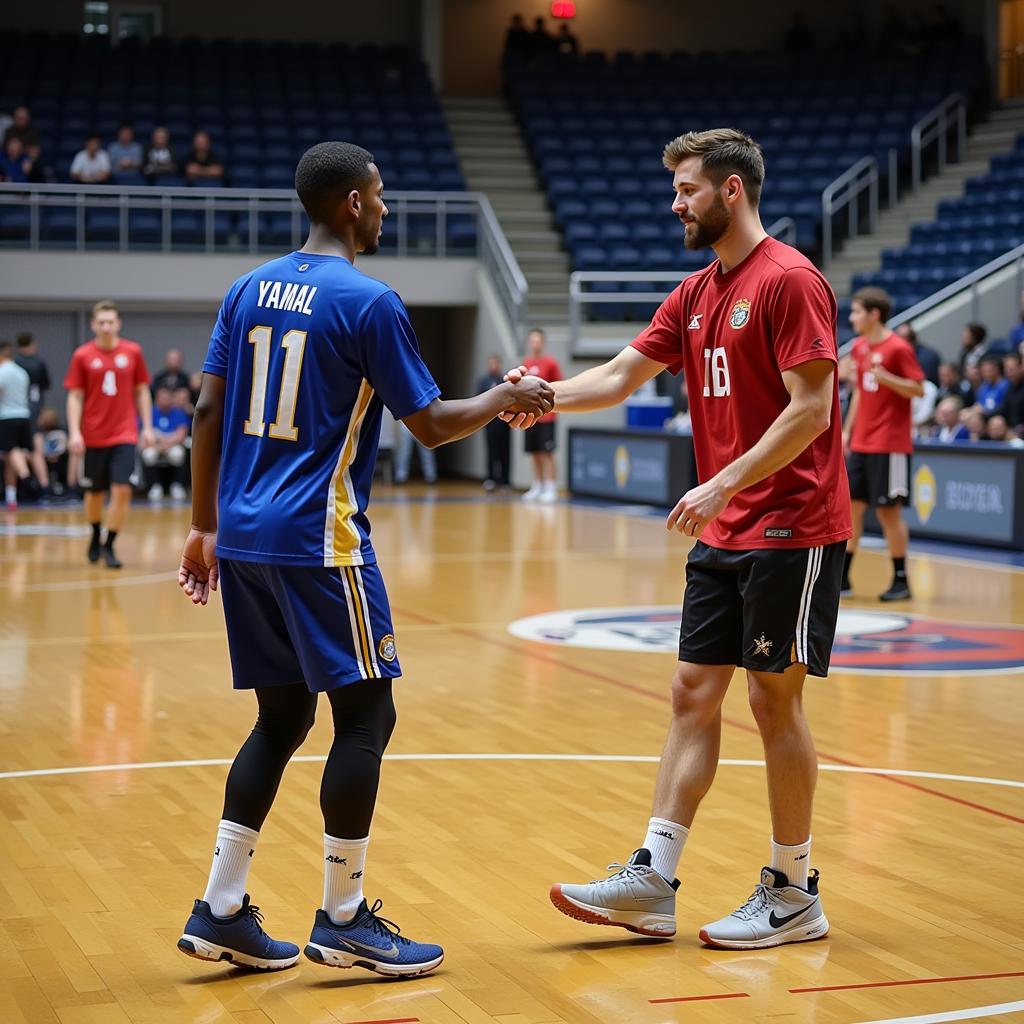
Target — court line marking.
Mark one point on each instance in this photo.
(969, 1013)
(92, 584)
(695, 999)
(908, 981)
(90, 769)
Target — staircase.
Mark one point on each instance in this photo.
(989, 137)
(495, 161)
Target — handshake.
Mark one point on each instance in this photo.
(532, 398)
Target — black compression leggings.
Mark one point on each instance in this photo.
(364, 718)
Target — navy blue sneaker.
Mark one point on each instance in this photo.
(372, 942)
(239, 938)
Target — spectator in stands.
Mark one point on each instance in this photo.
(948, 427)
(950, 384)
(497, 435)
(928, 358)
(541, 41)
(202, 164)
(1017, 332)
(29, 359)
(91, 165)
(539, 440)
(173, 375)
(997, 429)
(404, 442)
(55, 451)
(974, 420)
(565, 42)
(183, 401)
(125, 152)
(922, 408)
(5, 122)
(1013, 403)
(170, 428)
(15, 426)
(14, 165)
(22, 128)
(517, 38)
(973, 379)
(972, 346)
(38, 172)
(993, 390)
(160, 158)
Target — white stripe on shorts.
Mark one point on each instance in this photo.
(370, 640)
(803, 617)
(898, 475)
(350, 600)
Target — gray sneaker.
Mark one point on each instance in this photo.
(634, 897)
(776, 913)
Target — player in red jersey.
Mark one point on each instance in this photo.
(755, 334)
(108, 394)
(878, 433)
(539, 440)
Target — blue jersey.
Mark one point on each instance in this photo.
(312, 350)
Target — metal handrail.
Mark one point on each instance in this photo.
(968, 281)
(492, 247)
(784, 229)
(845, 192)
(934, 127)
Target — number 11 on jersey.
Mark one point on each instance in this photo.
(294, 344)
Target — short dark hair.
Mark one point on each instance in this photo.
(993, 360)
(327, 173)
(537, 330)
(874, 298)
(722, 151)
(1013, 355)
(979, 332)
(25, 339)
(5, 348)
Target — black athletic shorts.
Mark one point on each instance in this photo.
(106, 466)
(540, 438)
(879, 479)
(15, 433)
(764, 609)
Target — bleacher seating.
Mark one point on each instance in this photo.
(262, 104)
(968, 232)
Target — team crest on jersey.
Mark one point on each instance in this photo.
(867, 642)
(97, 364)
(120, 361)
(386, 648)
(740, 314)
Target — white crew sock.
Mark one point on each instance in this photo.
(231, 859)
(343, 876)
(11, 494)
(793, 861)
(665, 839)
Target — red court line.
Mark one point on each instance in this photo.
(910, 981)
(390, 1020)
(694, 999)
(521, 648)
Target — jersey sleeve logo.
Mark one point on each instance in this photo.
(387, 649)
(740, 314)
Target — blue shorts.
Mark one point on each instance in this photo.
(295, 623)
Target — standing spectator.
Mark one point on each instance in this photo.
(14, 165)
(517, 38)
(993, 390)
(951, 385)
(172, 376)
(541, 42)
(125, 152)
(108, 394)
(170, 428)
(22, 128)
(498, 436)
(404, 441)
(948, 427)
(972, 346)
(1013, 403)
(202, 163)
(565, 42)
(15, 428)
(160, 158)
(877, 432)
(91, 165)
(539, 440)
(927, 357)
(1017, 332)
(29, 359)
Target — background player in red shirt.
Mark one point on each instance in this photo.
(539, 440)
(108, 394)
(878, 435)
(755, 334)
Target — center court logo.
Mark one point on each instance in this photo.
(878, 643)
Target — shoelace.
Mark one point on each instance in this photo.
(383, 926)
(625, 872)
(254, 913)
(756, 902)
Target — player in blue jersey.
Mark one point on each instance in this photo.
(305, 354)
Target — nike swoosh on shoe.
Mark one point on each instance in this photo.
(779, 922)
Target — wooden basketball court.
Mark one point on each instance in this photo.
(516, 763)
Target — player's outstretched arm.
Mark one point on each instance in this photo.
(198, 574)
(441, 421)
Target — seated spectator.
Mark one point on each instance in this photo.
(21, 128)
(202, 163)
(183, 401)
(172, 376)
(997, 429)
(125, 153)
(927, 357)
(91, 165)
(160, 158)
(167, 454)
(991, 394)
(37, 171)
(1013, 404)
(950, 385)
(565, 42)
(972, 346)
(973, 379)
(55, 451)
(974, 420)
(14, 165)
(948, 427)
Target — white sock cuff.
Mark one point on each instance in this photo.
(665, 823)
(346, 844)
(232, 830)
(792, 849)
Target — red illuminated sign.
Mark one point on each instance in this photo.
(563, 9)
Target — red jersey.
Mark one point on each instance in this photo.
(733, 334)
(883, 424)
(109, 378)
(547, 368)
